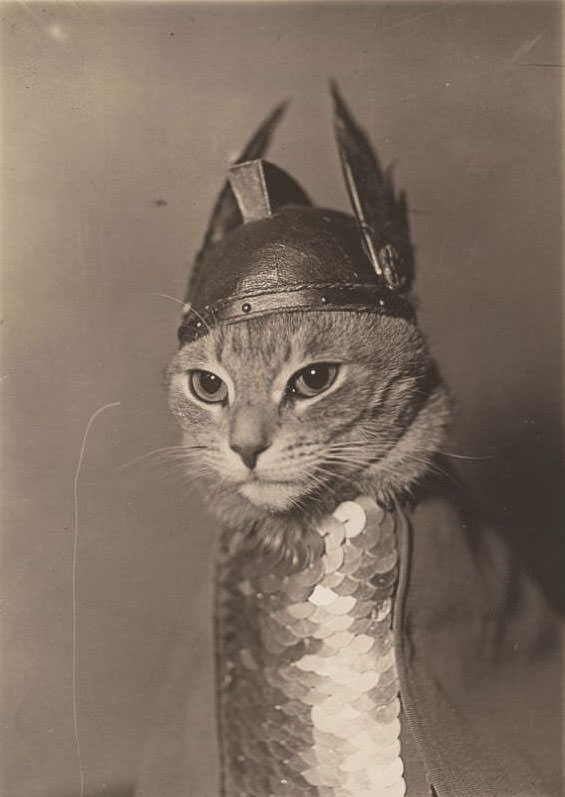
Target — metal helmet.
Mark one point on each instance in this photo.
(269, 250)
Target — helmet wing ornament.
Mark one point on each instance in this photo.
(226, 214)
(381, 217)
(261, 187)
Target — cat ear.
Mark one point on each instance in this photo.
(226, 214)
(381, 216)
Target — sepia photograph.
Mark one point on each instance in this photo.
(282, 366)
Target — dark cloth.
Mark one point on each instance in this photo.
(479, 659)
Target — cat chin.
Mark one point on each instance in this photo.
(237, 511)
(272, 496)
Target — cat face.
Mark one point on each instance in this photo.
(281, 411)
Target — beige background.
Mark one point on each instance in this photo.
(118, 123)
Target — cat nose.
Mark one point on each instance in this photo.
(249, 452)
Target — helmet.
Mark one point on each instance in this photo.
(269, 250)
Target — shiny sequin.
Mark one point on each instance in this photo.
(353, 517)
(307, 680)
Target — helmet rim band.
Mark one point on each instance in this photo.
(352, 297)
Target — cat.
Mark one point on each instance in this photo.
(373, 422)
(303, 383)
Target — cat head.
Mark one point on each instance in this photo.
(282, 414)
(302, 376)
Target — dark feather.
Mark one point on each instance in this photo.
(381, 216)
(226, 214)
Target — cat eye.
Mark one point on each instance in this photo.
(312, 380)
(207, 387)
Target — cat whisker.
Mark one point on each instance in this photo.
(349, 460)
(453, 455)
(194, 475)
(167, 296)
(313, 479)
(317, 480)
(350, 457)
(184, 480)
(297, 502)
(351, 449)
(352, 446)
(315, 485)
(371, 457)
(166, 450)
(430, 465)
(360, 450)
(332, 475)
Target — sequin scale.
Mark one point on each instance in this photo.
(308, 687)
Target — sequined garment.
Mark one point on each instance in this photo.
(308, 686)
